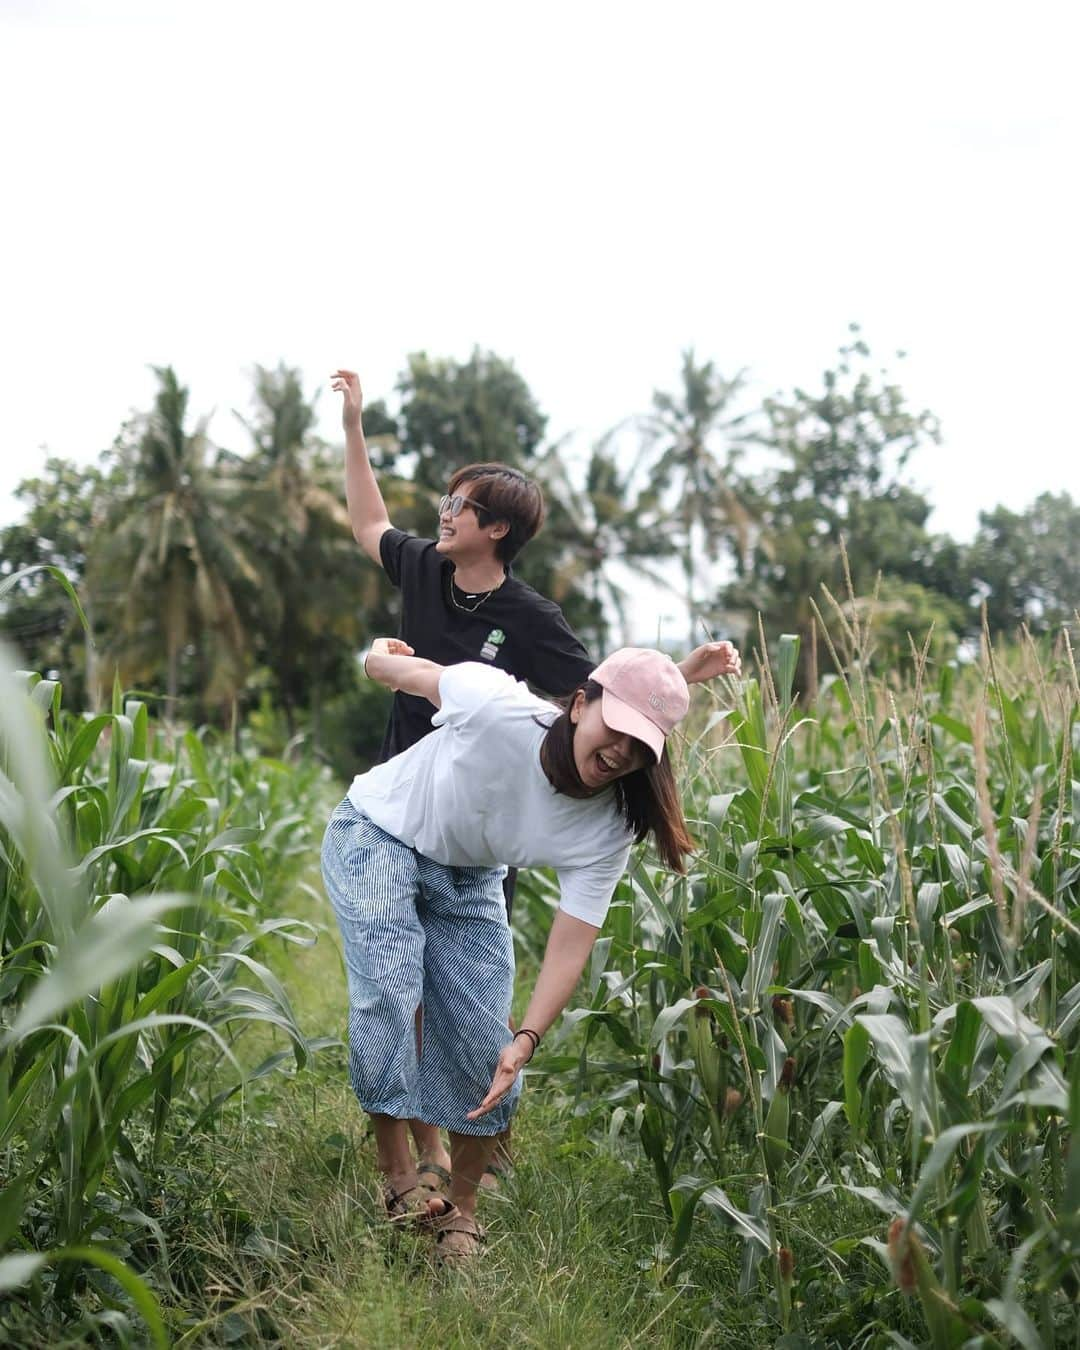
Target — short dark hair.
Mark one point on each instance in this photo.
(648, 798)
(503, 494)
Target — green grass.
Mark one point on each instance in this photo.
(281, 1242)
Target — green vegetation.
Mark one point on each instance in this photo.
(869, 988)
(133, 933)
(226, 575)
(822, 1092)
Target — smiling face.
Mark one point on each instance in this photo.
(464, 539)
(602, 755)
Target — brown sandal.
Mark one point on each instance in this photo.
(459, 1239)
(435, 1177)
(408, 1205)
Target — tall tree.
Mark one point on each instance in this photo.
(700, 439)
(455, 413)
(604, 530)
(317, 595)
(1027, 564)
(174, 559)
(838, 460)
(64, 507)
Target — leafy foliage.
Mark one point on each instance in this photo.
(834, 480)
(232, 579)
(1027, 564)
(170, 557)
(868, 987)
(132, 935)
(455, 413)
(317, 595)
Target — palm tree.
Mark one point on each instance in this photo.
(173, 558)
(607, 523)
(707, 504)
(318, 594)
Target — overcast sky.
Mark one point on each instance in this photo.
(586, 188)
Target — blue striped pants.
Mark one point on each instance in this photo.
(415, 934)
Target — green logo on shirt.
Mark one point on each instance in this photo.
(494, 640)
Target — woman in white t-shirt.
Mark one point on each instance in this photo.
(413, 861)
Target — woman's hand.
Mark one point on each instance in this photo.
(384, 647)
(390, 647)
(347, 382)
(709, 660)
(511, 1062)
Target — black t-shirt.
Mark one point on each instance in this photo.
(515, 628)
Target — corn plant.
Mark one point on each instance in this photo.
(132, 918)
(868, 986)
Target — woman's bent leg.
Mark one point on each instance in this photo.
(372, 881)
(468, 981)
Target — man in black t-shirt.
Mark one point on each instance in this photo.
(461, 602)
(510, 626)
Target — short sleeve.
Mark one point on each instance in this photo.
(396, 547)
(469, 687)
(556, 660)
(585, 892)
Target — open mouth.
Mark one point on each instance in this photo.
(607, 768)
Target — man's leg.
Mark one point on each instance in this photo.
(430, 1148)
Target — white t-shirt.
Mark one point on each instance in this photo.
(473, 794)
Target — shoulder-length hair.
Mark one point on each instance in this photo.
(648, 798)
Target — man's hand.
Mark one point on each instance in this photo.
(511, 1062)
(347, 382)
(710, 660)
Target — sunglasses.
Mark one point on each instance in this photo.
(457, 503)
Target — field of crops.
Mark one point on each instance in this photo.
(868, 988)
(133, 874)
(843, 1048)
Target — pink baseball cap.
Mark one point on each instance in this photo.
(644, 695)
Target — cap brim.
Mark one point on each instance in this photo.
(619, 716)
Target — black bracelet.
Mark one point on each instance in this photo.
(528, 1031)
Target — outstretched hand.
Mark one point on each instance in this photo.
(384, 647)
(710, 660)
(347, 382)
(390, 647)
(511, 1062)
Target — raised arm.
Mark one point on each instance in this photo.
(569, 944)
(391, 662)
(367, 510)
(709, 660)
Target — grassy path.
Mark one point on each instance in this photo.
(290, 1249)
(284, 1245)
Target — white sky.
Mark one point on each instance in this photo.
(586, 188)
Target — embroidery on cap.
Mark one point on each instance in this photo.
(655, 701)
(494, 640)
